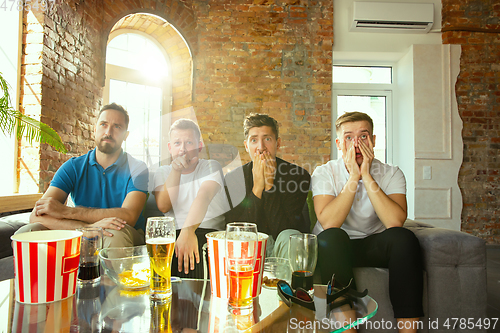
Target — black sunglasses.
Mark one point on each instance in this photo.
(300, 296)
(347, 292)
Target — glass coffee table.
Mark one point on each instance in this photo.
(107, 308)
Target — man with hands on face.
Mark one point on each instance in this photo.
(268, 191)
(191, 190)
(107, 185)
(361, 207)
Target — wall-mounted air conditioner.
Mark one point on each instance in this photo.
(392, 17)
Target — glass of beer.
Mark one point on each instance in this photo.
(303, 254)
(241, 253)
(160, 242)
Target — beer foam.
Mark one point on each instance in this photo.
(160, 240)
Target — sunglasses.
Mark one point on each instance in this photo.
(299, 296)
(348, 294)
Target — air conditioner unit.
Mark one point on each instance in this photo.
(392, 17)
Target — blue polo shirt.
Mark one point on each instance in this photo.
(89, 185)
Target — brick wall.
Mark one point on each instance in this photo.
(67, 92)
(478, 98)
(270, 56)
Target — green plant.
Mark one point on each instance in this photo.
(32, 130)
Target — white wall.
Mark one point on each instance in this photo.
(404, 125)
(426, 124)
(351, 45)
(9, 67)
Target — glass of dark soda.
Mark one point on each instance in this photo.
(91, 244)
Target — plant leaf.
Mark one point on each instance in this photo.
(27, 127)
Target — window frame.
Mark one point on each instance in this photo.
(114, 72)
(366, 89)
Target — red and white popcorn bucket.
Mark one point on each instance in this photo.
(46, 265)
(219, 283)
(52, 317)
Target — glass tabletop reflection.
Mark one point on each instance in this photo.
(106, 308)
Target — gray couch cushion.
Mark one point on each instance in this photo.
(8, 226)
(455, 263)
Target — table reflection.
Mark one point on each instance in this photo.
(107, 308)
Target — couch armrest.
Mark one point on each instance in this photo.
(455, 263)
(448, 247)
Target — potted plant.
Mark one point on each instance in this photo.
(33, 130)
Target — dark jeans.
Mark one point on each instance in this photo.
(395, 248)
(197, 273)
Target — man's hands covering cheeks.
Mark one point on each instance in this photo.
(368, 156)
(349, 155)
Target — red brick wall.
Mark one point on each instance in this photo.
(272, 58)
(478, 97)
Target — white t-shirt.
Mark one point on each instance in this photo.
(206, 170)
(362, 220)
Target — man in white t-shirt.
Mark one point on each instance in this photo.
(361, 206)
(191, 190)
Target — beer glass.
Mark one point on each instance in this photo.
(160, 316)
(241, 253)
(91, 244)
(160, 242)
(303, 254)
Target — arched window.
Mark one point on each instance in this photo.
(138, 77)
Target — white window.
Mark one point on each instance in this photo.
(368, 90)
(137, 77)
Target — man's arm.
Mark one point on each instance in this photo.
(332, 211)
(391, 209)
(54, 197)
(186, 246)
(52, 204)
(166, 194)
(129, 211)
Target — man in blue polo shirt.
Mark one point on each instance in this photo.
(107, 185)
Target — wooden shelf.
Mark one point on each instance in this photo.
(15, 202)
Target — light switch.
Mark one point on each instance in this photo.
(427, 172)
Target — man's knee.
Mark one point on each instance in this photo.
(120, 238)
(333, 237)
(403, 240)
(281, 243)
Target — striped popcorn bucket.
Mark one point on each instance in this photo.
(52, 317)
(46, 265)
(219, 283)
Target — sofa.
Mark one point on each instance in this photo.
(454, 281)
(454, 276)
